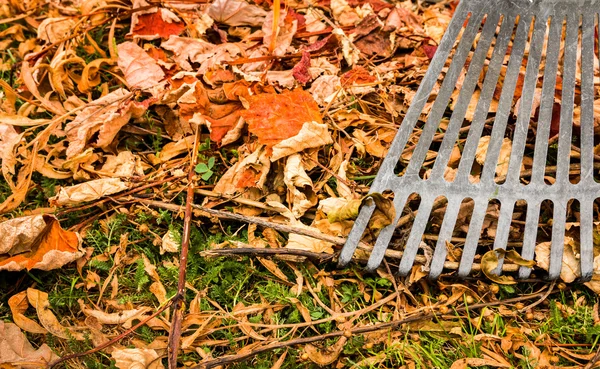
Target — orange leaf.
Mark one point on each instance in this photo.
(153, 24)
(357, 76)
(55, 248)
(274, 118)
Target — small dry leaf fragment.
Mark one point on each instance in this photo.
(124, 165)
(384, 213)
(489, 263)
(124, 317)
(325, 88)
(39, 300)
(18, 305)
(169, 243)
(251, 171)
(88, 191)
(477, 362)
(53, 30)
(276, 117)
(338, 209)
(325, 356)
(236, 13)
(37, 242)
(9, 139)
(17, 352)
(137, 359)
(139, 68)
(103, 117)
(286, 30)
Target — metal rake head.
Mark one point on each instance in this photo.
(539, 53)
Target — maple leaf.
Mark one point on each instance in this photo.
(158, 24)
(51, 248)
(274, 118)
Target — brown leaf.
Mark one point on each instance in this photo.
(87, 191)
(570, 264)
(489, 263)
(53, 30)
(301, 194)
(236, 13)
(139, 69)
(17, 352)
(37, 242)
(274, 118)
(18, 305)
(103, 117)
(311, 135)
(136, 358)
(327, 355)
(124, 317)
(384, 213)
(285, 32)
(39, 300)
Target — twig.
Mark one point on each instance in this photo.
(313, 256)
(178, 306)
(371, 328)
(114, 340)
(310, 232)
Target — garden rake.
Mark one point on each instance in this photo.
(510, 47)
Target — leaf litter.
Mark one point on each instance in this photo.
(287, 110)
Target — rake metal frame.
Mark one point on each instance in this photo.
(516, 17)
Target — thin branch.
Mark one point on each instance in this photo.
(178, 305)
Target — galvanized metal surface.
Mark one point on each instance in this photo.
(498, 24)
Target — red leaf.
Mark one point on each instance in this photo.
(357, 76)
(274, 118)
(300, 70)
(429, 50)
(153, 24)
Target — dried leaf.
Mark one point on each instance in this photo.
(251, 171)
(17, 352)
(18, 305)
(569, 271)
(137, 359)
(124, 165)
(285, 32)
(124, 317)
(384, 213)
(338, 209)
(37, 242)
(274, 118)
(311, 135)
(489, 263)
(139, 68)
(327, 355)
(236, 13)
(88, 191)
(103, 117)
(169, 243)
(300, 187)
(159, 24)
(39, 300)
(53, 30)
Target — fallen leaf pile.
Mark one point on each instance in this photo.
(291, 107)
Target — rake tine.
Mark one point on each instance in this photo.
(466, 262)
(416, 234)
(386, 234)
(586, 242)
(529, 238)
(439, 255)
(502, 231)
(360, 224)
(587, 99)
(558, 239)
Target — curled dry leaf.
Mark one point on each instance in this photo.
(137, 359)
(325, 88)
(140, 70)
(489, 263)
(9, 139)
(311, 135)
(88, 191)
(286, 29)
(17, 352)
(570, 261)
(53, 30)
(338, 209)
(103, 117)
(124, 317)
(18, 305)
(325, 356)
(37, 242)
(124, 165)
(251, 171)
(39, 300)
(236, 13)
(300, 186)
